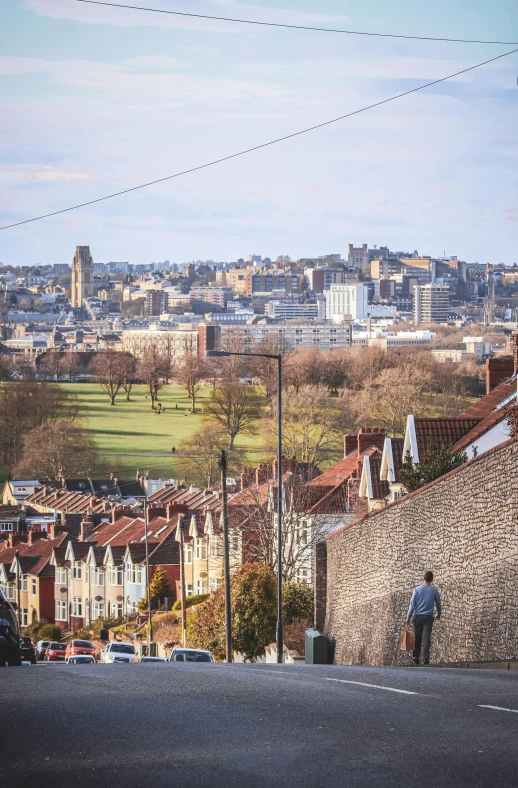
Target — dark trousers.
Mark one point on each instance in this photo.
(423, 632)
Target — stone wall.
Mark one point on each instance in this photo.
(464, 527)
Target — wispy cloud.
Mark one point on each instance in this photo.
(41, 174)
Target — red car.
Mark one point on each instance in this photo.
(55, 651)
(77, 647)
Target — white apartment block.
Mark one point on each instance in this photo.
(174, 343)
(290, 334)
(288, 310)
(342, 300)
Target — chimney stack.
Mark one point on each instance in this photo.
(368, 436)
(85, 529)
(350, 444)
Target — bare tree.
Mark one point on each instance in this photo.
(253, 513)
(6, 367)
(190, 374)
(313, 423)
(202, 452)
(395, 393)
(237, 408)
(69, 365)
(61, 450)
(129, 371)
(304, 367)
(24, 407)
(109, 372)
(52, 363)
(155, 371)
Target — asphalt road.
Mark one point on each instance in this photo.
(151, 725)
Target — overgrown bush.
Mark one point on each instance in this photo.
(83, 634)
(49, 632)
(297, 603)
(194, 599)
(436, 463)
(254, 614)
(295, 635)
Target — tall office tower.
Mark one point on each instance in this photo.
(431, 304)
(82, 276)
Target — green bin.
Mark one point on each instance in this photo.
(317, 648)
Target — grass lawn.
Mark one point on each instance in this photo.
(132, 436)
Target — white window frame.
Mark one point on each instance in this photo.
(23, 583)
(98, 578)
(187, 553)
(61, 610)
(24, 617)
(77, 570)
(188, 590)
(116, 575)
(201, 550)
(135, 574)
(201, 587)
(6, 527)
(97, 610)
(34, 586)
(77, 607)
(61, 575)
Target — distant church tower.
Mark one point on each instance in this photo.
(82, 276)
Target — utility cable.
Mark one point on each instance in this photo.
(262, 145)
(295, 27)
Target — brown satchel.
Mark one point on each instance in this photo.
(406, 640)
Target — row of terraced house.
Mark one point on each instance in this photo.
(69, 555)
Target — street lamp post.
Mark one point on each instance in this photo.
(226, 545)
(278, 359)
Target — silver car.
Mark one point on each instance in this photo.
(190, 655)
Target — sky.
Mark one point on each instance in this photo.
(95, 100)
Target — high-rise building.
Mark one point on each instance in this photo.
(82, 276)
(156, 302)
(431, 304)
(351, 300)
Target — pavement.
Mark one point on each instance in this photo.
(173, 724)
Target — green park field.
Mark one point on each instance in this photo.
(131, 436)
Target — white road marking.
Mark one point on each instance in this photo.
(497, 708)
(375, 686)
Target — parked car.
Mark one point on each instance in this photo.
(40, 648)
(9, 633)
(153, 659)
(190, 655)
(118, 652)
(81, 659)
(76, 647)
(27, 649)
(55, 651)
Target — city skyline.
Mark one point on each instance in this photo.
(97, 100)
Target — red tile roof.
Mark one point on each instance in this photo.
(443, 432)
(491, 420)
(484, 406)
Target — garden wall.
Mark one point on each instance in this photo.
(464, 527)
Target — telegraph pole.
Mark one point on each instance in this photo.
(179, 538)
(226, 550)
(18, 612)
(280, 633)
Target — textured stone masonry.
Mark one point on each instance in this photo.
(464, 527)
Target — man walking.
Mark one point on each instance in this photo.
(422, 607)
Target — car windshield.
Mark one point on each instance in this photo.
(25, 640)
(77, 660)
(122, 648)
(43, 643)
(81, 644)
(57, 646)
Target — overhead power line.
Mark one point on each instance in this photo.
(262, 145)
(295, 27)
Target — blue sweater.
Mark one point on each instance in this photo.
(423, 600)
